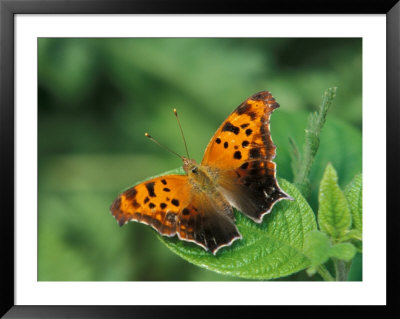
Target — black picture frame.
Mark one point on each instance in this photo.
(8, 10)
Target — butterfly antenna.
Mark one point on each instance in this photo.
(183, 136)
(162, 145)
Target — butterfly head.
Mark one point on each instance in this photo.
(190, 166)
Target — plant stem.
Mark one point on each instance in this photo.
(341, 270)
(316, 121)
(324, 273)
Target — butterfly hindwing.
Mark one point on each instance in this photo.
(252, 188)
(209, 222)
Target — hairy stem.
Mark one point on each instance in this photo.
(316, 121)
(341, 270)
(324, 273)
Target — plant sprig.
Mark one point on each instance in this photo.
(337, 237)
(302, 163)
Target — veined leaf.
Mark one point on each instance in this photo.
(272, 249)
(353, 193)
(333, 216)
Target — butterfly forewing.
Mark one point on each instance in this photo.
(171, 206)
(241, 151)
(156, 202)
(244, 135)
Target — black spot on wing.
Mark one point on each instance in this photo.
(237, 155)
(242, 108)
(175, 202)
(150, 189)
(130, 193)
(164, 181)
(218, 140)
(135, 204)
(249, 131)
(230, 128)
(252, 115)
(226, 145)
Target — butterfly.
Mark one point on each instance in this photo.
(237, 171)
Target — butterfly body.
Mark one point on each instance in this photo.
(202, 178)
(237, 170)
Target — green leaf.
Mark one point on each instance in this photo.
(353, 234)
(272, 249)
(333, 216)
(343, 251)
(353, 193)
(316, 247)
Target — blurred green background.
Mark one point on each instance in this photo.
(97, 97)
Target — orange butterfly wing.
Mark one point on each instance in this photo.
(156, 202)
(244, 135)
(170, 205)
(241, 154)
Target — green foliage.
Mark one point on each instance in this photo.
(318, 249)
(333, 216)
(270, 250)
(334, 219)
(343, 251)
(340, 145)
(353, 193)
(352, 234)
